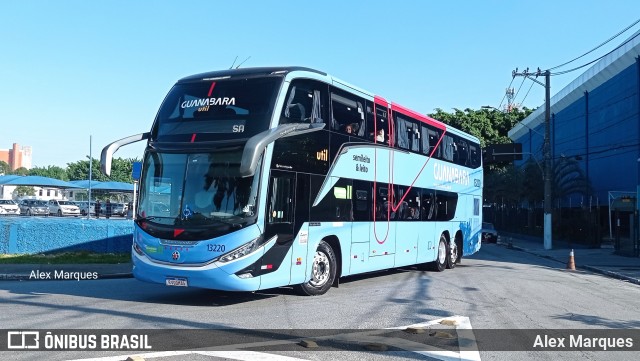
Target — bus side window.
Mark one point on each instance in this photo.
(347, 113)
(303, 103)
(429, 210)
(361, 201)
(474, 155)
(429, 141)
(448, 148)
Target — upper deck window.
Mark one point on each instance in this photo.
(305, 102)
(206, 109)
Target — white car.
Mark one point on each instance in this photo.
(9, 207)
(63, 208)
(86, 207)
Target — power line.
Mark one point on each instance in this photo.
(597, 47)
(518, 91)
(593, 61)
(525, 96)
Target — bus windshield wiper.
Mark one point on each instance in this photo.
(144, 219)
(224, 221)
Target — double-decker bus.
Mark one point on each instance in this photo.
(266, 177)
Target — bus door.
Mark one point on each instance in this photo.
(280, 218)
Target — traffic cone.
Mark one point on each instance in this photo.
(571, 265)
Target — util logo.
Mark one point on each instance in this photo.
(323, 155)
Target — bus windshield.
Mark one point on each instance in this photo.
(197, 190)
(216, 109)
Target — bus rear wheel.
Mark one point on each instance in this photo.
(440, 264)
(452, 258)
(323, 272)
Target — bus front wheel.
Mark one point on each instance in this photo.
(323, 272)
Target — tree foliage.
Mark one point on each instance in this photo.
(489, 125)
(21, 171)
(51, 171)
(4, 167)
(23, 191)
(120, 170)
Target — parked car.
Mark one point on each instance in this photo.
(83, 207)
(9, 207)
(489, 233)
(34, 207)
(63, 208)
(117, 209)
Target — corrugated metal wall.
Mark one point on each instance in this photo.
(610, 152)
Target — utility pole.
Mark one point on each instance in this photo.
(548, 243)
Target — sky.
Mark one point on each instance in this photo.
(71, 70)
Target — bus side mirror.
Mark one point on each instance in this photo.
(107, 152)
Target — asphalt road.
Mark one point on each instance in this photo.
(498, 288)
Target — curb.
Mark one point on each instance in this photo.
(611, 274)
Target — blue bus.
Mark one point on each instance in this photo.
(266, 177)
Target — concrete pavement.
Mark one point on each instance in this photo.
(600, 260)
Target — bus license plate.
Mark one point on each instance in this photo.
(178, 282)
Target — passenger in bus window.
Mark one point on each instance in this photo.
(380, 136)
(349, 129)
(413, 213)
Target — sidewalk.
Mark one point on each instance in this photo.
(599, 260)
(57, 272)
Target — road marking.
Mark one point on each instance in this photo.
(470, 352)
(235, 355)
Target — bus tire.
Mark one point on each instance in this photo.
(453, 254)
(440, 264)
(323, 272)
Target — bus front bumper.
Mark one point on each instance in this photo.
(209, 276)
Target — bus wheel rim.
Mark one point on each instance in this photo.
(454, 253)
(442, 253)
(321, 270)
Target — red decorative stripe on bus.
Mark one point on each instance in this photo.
(423, 118)
(193, 137)
(213, 85)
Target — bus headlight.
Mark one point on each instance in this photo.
(137, 248)
(241, 251)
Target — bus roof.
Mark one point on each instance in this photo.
(248, 71)
(283, 70)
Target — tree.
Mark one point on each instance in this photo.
(120, 170)
(21, 171)
(22, 191)
(51, 171)
(4, 168)
(489, 125)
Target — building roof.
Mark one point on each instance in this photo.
(36, 180)
(105, 186)
(603, 70)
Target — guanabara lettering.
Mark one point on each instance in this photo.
(195, 103)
